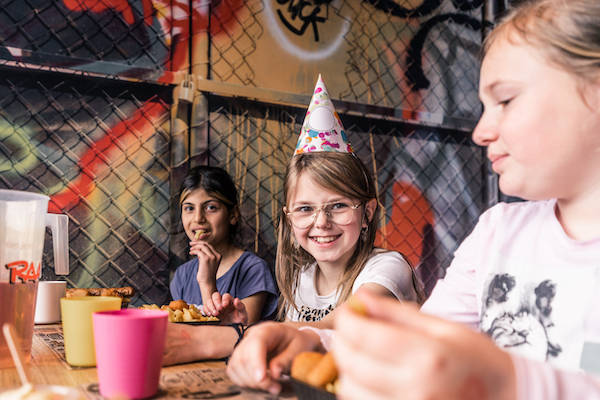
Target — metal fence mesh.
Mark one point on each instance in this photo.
(115, 192)
(103, 148)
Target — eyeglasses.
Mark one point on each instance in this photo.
(339, 213)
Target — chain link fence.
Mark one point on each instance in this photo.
(111, 151)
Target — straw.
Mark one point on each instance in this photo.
(7, 329)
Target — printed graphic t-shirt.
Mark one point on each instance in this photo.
(386, 268)
(519, 278)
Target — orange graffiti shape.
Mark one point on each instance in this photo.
(120, 6)
(411, 215)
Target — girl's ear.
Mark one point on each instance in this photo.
(234, 215)
(370, 207)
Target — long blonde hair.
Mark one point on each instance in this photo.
(342, 173)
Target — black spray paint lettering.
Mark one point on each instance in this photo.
(303, 14)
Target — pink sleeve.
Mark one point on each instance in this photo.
(539, 380)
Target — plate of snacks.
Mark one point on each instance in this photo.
(182, 312)
(125, 293)
(314, 376)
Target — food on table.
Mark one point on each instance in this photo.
(124, 292)
(41, 392)
(180, 311)
(356, 305)
(315, 369)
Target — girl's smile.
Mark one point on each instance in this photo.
(329, 243)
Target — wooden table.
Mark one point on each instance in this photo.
(201, 380)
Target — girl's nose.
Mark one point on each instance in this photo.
(322, 219)
(199, 215)
(485, 131)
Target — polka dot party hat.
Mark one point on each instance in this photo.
(322, 129)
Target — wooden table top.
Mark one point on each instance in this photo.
(203, 380)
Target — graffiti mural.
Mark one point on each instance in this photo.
(88, 116)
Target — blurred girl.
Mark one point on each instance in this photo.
(210, 216)
(527, 276)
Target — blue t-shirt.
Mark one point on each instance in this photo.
(249, 275)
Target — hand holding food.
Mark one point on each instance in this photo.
(208, 264)
(315, 369)
(401, 350)
(266, 352)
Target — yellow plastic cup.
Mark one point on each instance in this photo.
(78, 330)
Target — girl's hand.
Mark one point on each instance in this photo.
(404, 353)
(208, 263)
(266, 351)
(230, 310)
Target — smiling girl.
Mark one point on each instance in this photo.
(325, 249)
(327, 229)
(210, 216)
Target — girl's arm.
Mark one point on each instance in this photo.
(254, 305)
(187, 343)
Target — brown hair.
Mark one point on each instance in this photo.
(345, 174)
(566, 32)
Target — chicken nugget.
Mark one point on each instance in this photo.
(178, 305)
(303, 363)
(324, 372)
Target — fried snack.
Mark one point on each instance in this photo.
(178, 313)
(356, 305)
(323, 373)
(197, 235)
(315, 369)
(303, 363)
(124, 292)
(178, 305)
(111, 292)
(76, 293)
(94, 291)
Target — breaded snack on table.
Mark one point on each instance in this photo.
(323, 373)
(178, 305)
(303, 363)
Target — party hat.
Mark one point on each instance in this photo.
(322, 129)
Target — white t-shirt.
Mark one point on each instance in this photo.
(519, 278)
(386, 268)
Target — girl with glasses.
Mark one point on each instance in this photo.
(325, 249)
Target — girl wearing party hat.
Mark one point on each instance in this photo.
(325, 249)
(327, 228)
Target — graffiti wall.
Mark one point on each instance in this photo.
(92, 114)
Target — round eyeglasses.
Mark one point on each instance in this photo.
(340, 213)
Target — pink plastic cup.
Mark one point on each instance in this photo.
(129, 348)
